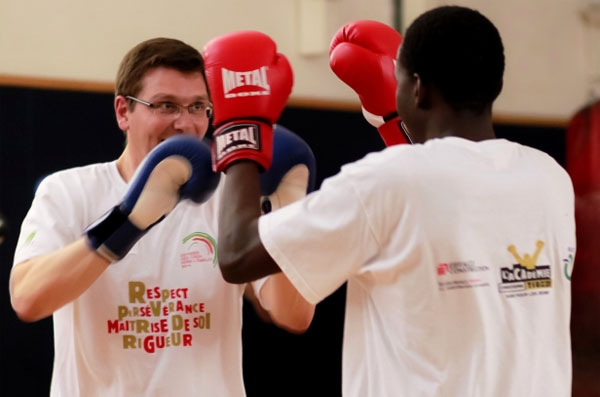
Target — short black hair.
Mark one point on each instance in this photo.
(459, 51)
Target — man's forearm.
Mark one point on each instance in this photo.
(41, 285)
(286, 306)
(242, 257)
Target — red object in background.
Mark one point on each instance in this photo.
(583, 165)
(583, 149)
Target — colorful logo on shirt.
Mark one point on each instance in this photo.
(443, 269)
(461, 274)
(526, 277)
(30, 237)
(198, 248)
(156, 317)
(568, 263)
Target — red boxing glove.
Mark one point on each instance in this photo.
(362, 55)
(250, 83)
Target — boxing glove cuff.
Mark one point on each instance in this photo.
(392, 133)
(113, 235)
(242, 140)
(388, 127)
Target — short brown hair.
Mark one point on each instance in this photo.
(153, 53)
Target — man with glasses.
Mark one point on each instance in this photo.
(160, 321)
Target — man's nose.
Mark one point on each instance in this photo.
(184, 121)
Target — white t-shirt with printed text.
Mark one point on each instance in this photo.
(458, 257)
(160, 322)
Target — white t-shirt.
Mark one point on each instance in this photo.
(160, 322)
(457, 256)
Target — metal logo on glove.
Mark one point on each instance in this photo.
(256, 78)
(239, 136)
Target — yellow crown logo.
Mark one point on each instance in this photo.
(527, 261)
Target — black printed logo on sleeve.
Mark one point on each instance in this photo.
(236, 137)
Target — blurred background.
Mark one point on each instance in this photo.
(58, 60)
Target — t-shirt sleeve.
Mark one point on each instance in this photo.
(319, 242)
(47, 226)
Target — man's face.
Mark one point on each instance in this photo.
(146, 127)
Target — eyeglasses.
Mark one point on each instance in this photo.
(169, 108)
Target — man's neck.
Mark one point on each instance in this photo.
(127, 164)
(463, 125)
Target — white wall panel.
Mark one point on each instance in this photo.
(548, 49)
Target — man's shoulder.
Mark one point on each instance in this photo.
(90, 172)
(82, 170)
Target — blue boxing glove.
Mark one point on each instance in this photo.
(292, 174)
(178, 168)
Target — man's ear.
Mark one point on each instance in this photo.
(121, 112)
(421, 93)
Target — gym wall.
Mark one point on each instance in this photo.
(551, 53)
